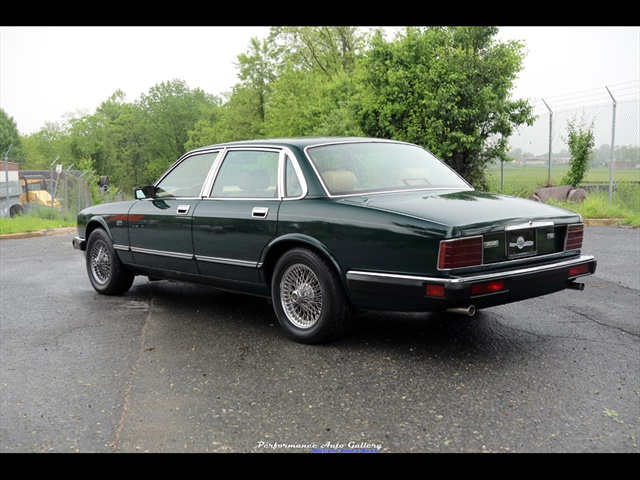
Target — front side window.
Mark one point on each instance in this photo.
(187, 178)
(247, 174)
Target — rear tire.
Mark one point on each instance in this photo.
(308, 298)
(107, 274)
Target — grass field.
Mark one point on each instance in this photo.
(36, 221)
(523, 180)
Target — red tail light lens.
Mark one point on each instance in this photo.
(461, 252)
(575, 235)
(434, 290)
(578, 270)
(488, 287)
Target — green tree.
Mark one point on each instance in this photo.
(129, 136)
(627, 153)
(49, 144)
(204, 131)
(580, 140)
(314, 90)
(258, 70)
(330, 50)
(9, 137)
(448, 89)
(602, 153)
(241, 117)
(171, 110)
(88, 140)
(311, 103)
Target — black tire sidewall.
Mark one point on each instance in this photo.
(120, 279)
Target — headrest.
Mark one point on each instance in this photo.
(340, 180)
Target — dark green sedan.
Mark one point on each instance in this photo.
(326, 227)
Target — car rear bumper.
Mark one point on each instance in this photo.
(371, 290)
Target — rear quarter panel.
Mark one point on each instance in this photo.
(365, 239)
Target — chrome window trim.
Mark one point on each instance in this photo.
(378, 192)
(208, 183)
(282, 179)
(384, 192)
(182, 160)
(283, 152)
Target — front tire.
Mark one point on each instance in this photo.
(106, 273)
(308, 298)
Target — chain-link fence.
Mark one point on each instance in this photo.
(63, 192)
(68, 189)
(541, 153)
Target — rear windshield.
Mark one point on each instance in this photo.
(354, 168)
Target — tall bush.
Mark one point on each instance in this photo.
(580, 140)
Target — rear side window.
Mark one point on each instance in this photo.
(293, 187)
(247, 174)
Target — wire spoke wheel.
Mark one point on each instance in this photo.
(100, 262)
(301, 296)
(106, 273)
(308, 298)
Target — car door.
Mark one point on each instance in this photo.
(233, 225)
(160, 232)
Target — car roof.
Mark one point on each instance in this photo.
(296, 142)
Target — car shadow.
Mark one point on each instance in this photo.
(442, 334)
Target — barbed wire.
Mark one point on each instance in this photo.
(622, 92)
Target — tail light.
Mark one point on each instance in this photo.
(575, 235)
(461, 252)
(488, 287)
(579, 270)
(434, 290)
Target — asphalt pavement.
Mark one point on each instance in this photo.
(177, 368)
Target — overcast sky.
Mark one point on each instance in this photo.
(47, 72)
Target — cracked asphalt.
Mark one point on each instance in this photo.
(171, 367)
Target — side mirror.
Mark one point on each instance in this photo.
(148, 191)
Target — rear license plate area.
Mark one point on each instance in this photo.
(521, 243)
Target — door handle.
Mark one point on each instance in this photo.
(183, 209)
(259, 212)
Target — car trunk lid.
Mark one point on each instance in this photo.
(471, 212)
(510, 228)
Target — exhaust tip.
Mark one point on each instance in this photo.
(576, 286)
(470, 311)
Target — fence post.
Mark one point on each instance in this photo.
(66, 188)
(51, 177)
(6, 169)
(550, 137)
(613, 136)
